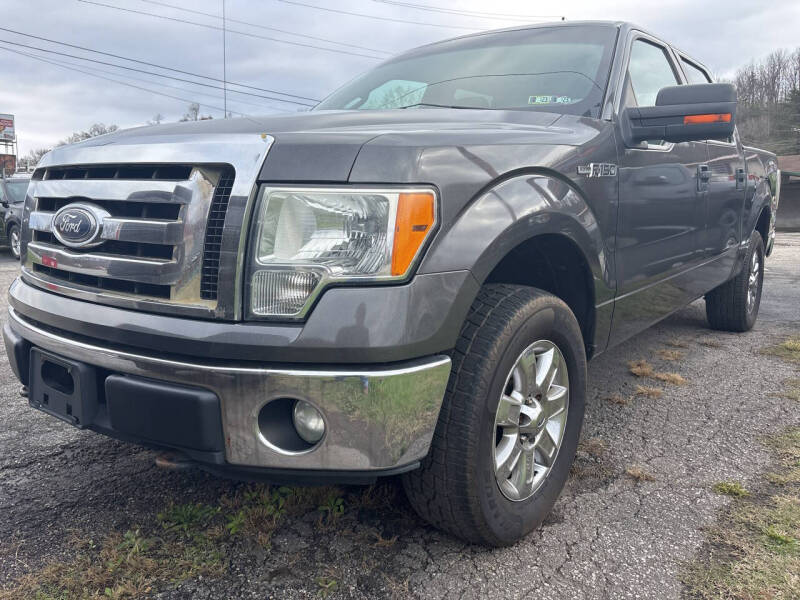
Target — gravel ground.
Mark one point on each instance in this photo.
(611, 535)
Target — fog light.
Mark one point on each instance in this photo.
(308, 422)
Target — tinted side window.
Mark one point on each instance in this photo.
(649, 70)
(693, 73)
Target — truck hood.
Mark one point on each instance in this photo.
(323, 146)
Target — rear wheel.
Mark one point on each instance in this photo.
(733, 306)
(510, 421)
(14, 240)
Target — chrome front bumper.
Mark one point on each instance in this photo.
(377, 418)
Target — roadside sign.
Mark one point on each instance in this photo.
(7, 128)
(8, 163)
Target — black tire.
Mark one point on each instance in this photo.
(12, 232)
(727, 306)
(455, 489)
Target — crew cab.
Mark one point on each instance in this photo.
(408, 279)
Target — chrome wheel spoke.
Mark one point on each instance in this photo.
(507, 455)
(546, 369)
(556, 401)
(523, 476)
(547, 447)
(508, 410)
(525, 369)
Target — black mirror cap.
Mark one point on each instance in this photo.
(684, 113)
(701, 93)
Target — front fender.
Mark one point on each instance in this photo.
(513, 211)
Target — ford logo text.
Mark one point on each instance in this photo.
(79, 224)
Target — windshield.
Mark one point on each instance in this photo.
(16, 190)
(556, 69)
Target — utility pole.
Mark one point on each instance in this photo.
(224, 61)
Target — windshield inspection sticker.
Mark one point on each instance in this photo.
(549, 100)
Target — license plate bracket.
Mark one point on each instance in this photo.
(63, 388)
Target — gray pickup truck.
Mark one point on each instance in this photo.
(407, 280)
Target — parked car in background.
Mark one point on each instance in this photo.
(407, 280)
(12, 202)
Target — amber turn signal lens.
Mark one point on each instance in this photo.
(697, 119)
(416, 215)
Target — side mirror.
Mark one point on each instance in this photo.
(683, 113)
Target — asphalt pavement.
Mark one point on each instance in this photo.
(633, 511)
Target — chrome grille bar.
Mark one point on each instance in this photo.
(140, 270)
(145, 190)
(142, 231)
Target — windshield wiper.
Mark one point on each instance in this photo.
(441, 106)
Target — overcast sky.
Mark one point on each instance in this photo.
(51, 101)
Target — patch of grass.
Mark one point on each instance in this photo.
(670, 355)
(639, 474)
(124, 565)
(647, 392)
(186, 517)
(327, 585)
(595, 446)
(641, 368)
(792, 389)
(672, 378)
(730, 488)
(788, 350)
(618, 399)
(754, 550)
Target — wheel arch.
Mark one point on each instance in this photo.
(535, 228)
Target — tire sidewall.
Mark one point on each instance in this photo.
(506, 518)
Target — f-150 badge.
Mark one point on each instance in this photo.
(598, 170)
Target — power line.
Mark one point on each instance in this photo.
(73, 66)
(466, 13)
(150, 64)
(117, 81)
(108, 64)
(259, 26)
(245, 33)
(346, 12)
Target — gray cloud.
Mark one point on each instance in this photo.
(51, 102)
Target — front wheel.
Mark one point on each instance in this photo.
(733, 306)
(510, 421)
(14, 240)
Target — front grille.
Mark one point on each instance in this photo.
(213, 239)
(161, 239)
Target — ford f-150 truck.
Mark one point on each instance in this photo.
(408, 279)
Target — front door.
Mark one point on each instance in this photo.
(661, 205)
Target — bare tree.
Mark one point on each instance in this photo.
(193, 114)
(93, 131)
(156, 120)
(769, 101)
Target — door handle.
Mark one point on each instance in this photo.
(703, 176)
(740, 178)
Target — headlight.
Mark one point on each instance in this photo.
(304, 239)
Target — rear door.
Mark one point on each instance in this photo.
(661, 203)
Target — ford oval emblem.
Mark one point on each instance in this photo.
(79, 224)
